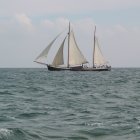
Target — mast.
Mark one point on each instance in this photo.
(68, 45)
(94, 47)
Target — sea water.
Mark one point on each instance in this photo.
(36, 104)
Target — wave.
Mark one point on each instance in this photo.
(17, 134)
(5, 134)
(5, 92)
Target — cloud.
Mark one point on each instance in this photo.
(121, 28)
(47, 23)
(58, 23)
(24, 20)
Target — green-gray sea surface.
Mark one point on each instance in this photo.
(36, 104)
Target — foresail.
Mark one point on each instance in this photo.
(99, 59)
(43, 55)
(75, 55)
(59, 60)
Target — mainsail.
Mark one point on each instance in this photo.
(75, 55)
(99, 59)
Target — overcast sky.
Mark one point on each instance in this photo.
(27, 26)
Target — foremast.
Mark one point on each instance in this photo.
(68, 45)
(94, 47)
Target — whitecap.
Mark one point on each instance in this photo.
(5, 132)
(97, 124)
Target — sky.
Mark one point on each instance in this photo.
(28, 26)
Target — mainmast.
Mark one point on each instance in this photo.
(68, 44)
(94, 46)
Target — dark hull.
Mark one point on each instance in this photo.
(77, 68)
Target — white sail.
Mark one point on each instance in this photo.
(59, 60)
(75, 55)
(43, 55)
(99, 59)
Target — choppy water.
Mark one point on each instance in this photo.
(36, 104)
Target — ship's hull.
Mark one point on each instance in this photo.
(78, 68)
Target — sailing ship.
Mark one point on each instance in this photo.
(75, 58)
(98, 60)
